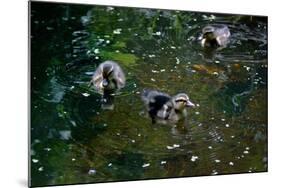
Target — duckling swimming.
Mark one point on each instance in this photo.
(162, 106)
(216, 35)
(108, 78)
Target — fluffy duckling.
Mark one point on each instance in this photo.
(108, 77)
(162, 106)
(216, 35)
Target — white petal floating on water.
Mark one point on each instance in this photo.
(47, 149)
(133, 141)
(158, 33)
(163, 162)
(96, 51)
(197, 113)
(151, 55)
(73, 159)
(86, 94)
(222, 119)
(117, 31)
(217, 62)
(110, 164)
(65, 135)
(152, 79)
(246, 152)
(92, 172)
(176, 145)
(231, 163)
(170, 147)
(173, 47)
(145, 165)
(215, 73)
(210, 147)
(214, 172)
(35, 160)
(41, 169)
(247, 148)
(154, 71)
(226, 125)
(194, 158)
(217, 161)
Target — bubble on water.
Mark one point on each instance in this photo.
(210, 147)
(247, 148)
(193, 71)
(86, 94)
(117, 31)
(231, 163)
(97, 57)
(73, 159)
(107, 41)
(226, 125)
(151, 55)
(92, 172)
(145, 165)
(232, 136)
(197, 113)
(133, 141)
(139, 134)
(217, 161)
(35, 160)
(41, 168)
(217, 62)
(246, 152)
(194, 158)
(197, 105)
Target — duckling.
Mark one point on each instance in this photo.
(108, 77)
(162, 106)
(216, 35)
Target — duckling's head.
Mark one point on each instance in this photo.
(107, 74)
(209, 37)
(181, 101)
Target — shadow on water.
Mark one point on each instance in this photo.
(74, 139)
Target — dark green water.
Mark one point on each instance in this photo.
(74, 141)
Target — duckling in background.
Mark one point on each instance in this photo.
(162, 106)
(215, 36)
(108, 78)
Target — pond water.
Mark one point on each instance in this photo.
(73, 140)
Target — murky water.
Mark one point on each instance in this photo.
(73, 140)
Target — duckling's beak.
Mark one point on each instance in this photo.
(190, 104)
